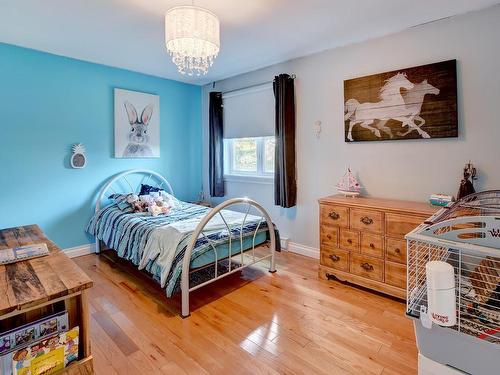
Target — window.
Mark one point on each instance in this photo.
(249, 157)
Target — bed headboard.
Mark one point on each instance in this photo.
(130, 182)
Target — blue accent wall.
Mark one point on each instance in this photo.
(48, 103)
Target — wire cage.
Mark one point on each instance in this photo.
(465, 235)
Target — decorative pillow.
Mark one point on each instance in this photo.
(170, 199)
(146, 189)
(121, 201)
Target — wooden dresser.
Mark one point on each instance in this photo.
(362, 240)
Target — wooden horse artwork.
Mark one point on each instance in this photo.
(412, 103)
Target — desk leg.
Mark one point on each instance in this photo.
(83, 308)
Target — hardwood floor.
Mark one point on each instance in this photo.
(255, 322)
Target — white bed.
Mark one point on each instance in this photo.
(243, 216)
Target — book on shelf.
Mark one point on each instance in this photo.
(19, 253)
(47, 356)
(25, 337)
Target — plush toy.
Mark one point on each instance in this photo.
(158, 206)
(156, 210)
(137, 204)
(152, 203)
(131, 198)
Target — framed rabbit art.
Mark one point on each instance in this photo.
(137, 124)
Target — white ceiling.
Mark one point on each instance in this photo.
(254, 33)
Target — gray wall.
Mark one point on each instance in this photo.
(394, 169)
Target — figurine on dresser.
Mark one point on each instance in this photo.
(466, 185)
(348, 185)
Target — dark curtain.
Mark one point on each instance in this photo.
(285, 185)
(216, 147)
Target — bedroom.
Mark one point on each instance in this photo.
(268, 129)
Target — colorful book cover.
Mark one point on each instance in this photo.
(48, 355)
(28, 333)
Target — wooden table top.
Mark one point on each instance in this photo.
(36, 281)
(382, 204)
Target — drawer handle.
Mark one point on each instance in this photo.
(366, 220)
(372, 246)
(333, 215)
(367, 267)
(349, 241)
(330, 276)
(329, 236)
(334, 257)
(397, 250)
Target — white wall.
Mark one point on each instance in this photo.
(395, 169)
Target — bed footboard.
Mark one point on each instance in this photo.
(199, 231)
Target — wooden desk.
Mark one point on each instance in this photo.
(37, 287)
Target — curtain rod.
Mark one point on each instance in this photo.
(293, 76)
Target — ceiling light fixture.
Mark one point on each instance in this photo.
(192, 37)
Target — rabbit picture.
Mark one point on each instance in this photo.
(138, 138)
(137, 124)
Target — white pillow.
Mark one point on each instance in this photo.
(170, 199)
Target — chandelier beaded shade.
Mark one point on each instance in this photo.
(192, 38)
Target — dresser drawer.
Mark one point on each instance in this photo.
(338, 259)
(399, 225)
(349, 240)
(395, 250)
(369, 220)
(395, 274)
(368, 267)
(329, 236)
(372, 245)
(334, 215)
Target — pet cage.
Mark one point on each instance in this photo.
(465, 235)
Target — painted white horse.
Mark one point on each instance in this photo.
(413, 98)
(391, 106)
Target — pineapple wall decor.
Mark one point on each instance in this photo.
(78, 158)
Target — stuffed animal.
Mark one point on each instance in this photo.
(154, 204)
(131, 198)
(140, 206)
(156, 210)
(158, 206)
(137, 204)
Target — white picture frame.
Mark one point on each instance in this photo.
(137, 124)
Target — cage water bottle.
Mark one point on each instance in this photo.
(441, 303)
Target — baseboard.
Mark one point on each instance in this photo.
(292, 247)
(307, 251)
(81, 250)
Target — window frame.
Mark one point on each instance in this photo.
(260, 175)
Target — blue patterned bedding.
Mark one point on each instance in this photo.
(128, 233)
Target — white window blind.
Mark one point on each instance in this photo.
(249, 112)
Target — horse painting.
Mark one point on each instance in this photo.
(410, 103)
(391, 105)
(413, 99)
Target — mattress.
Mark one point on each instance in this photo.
(204, 259)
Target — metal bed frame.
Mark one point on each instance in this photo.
(121, 183)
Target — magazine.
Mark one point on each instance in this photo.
(46, 356)
(19, 253)
(28, 333)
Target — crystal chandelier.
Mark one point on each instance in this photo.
(192, 38)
